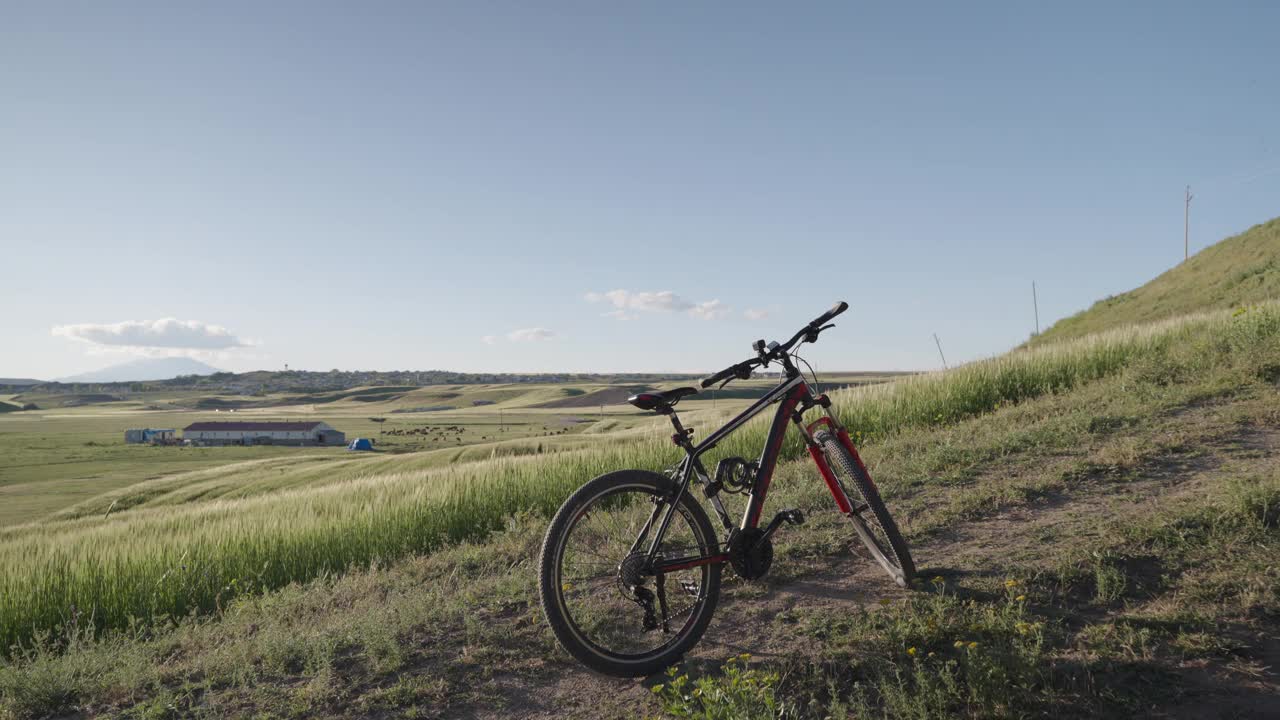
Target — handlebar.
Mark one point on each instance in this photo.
(826, 316)
(809, 332)
(741, 370)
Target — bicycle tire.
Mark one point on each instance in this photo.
(895, 559)
(550, 586)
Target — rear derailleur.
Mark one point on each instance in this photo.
(631, 579)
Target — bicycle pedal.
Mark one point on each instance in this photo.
(795, 517)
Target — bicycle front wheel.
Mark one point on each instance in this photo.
(871, 520)
(603, 606)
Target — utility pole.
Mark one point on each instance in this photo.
(1186, 226)
(944, 357)
(1035, 302)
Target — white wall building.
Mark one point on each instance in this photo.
(263, 433)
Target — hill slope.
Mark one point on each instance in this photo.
(1106, 550)
(1240, 270)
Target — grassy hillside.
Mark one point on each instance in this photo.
(194, 554)
(58, 457)
(1096, 525)
(1241, 270)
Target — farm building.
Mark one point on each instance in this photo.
(263, 433)
(150, 435)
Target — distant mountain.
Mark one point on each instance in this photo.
(19, 381)
(144, 369)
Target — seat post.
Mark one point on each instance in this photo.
(681, 437)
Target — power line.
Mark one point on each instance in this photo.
(944, 357)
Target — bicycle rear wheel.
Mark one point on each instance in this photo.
(871, 520)
(603, 607)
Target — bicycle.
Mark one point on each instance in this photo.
(627, 541)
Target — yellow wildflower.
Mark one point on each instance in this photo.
(567, 587)
(973, 645)
(959, 643)
(1010, 583)
(911, 651)
(1020, 598)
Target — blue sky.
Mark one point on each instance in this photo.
(430, 185)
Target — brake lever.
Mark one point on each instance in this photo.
(812, 335)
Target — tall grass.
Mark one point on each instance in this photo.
(150, 564)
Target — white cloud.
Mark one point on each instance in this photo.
(628, 304)
(752, 314)
(530, 335)
(709, 310)
(489, 339)
(661, 301)
(166, 334)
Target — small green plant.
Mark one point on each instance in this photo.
(739, 692)
(1109, 578)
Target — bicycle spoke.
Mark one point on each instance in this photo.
(607, 593)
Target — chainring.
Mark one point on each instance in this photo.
(751, 553)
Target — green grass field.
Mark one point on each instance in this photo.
(1096, 517)
(1095, 522)
(192, 542)
(58, 458)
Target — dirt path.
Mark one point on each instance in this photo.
(1016, 537)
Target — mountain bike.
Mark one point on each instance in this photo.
(630, 567)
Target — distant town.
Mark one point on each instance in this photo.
(262, 382)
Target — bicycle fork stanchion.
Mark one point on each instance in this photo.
(819, 456)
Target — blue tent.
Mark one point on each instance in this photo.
(360, 444)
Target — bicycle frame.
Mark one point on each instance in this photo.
(795, 399)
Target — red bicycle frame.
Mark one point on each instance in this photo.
(794, 398)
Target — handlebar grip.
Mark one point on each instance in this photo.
(725, 373)
(834, 311)
(738, 370)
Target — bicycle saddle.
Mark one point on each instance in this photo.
(660, 400)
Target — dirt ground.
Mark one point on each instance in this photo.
(747, 618)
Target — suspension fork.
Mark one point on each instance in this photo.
(842, 434)
(832, 424)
